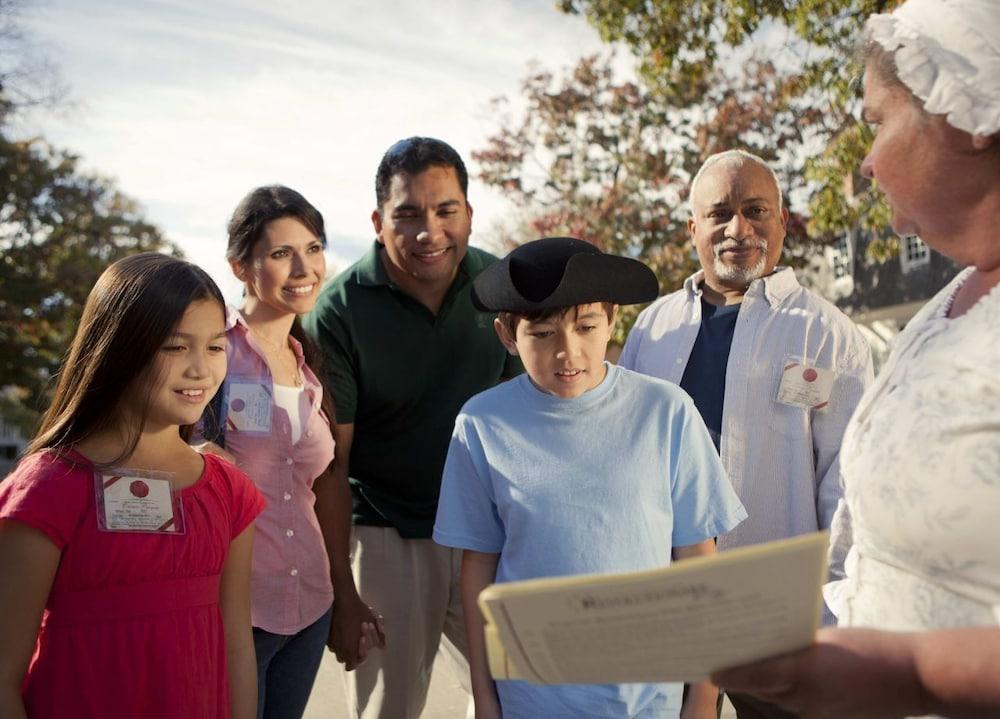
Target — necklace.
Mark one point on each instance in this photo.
(282, 356)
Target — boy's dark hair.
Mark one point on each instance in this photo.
(132, 309)
(414, 155)
(509, 320)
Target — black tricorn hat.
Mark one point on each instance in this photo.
(556, 272)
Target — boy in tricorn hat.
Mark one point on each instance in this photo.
(576, 467)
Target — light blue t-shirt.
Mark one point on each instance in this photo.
(609, 481)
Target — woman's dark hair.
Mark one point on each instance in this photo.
(246, 227)
(414, 155)
(261, 207)
(134, 307)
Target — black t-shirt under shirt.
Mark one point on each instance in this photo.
(705, 374)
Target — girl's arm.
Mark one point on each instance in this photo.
(478, 571)
(28, 564)
(702, 697)
(234, 600)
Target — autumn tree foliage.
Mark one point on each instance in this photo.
(589, 158)
(612, 160)
(683, 48)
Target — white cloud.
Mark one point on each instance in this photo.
(188, 105)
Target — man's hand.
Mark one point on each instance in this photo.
(354, 630)
(213, 448)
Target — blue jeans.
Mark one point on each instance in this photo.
(286, 668)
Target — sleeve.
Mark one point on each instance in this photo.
(467, 515)
(841, 541)
(49, 495)
(704, 502)
(328, 329)
(854, 375)
(246, 501)
(631, 349)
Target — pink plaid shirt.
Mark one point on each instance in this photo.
(290, 582)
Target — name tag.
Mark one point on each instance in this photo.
(805, 385)
(138, 501)
(248, 407)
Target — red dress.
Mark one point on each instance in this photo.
(132, 626)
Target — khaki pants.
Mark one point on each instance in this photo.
(413, 583)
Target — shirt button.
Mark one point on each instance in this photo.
(678, 360)
(287, 496)
(289, 533)
(294, 572)
(309, 433)
(289, 461)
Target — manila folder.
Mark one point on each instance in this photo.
(675, 624)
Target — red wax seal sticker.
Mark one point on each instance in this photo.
(809, 375)
(238, 405)
(139, 488)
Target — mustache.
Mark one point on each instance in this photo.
(755, 243)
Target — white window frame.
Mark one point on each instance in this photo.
(913, 253)
(842, 257)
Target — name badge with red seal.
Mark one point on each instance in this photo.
(138, 500)
(805, 385)
(248, 404)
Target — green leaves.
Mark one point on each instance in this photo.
(688, 51)
(610, 161)
(59, 229)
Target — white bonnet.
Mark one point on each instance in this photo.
(948, 53)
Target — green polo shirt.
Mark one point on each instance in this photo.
(401, 374)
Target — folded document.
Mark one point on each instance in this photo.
(679, 623)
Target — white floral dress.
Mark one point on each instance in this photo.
(921, 467)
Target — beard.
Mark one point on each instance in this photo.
(740, 274)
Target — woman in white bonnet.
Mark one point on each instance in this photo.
(919, 610)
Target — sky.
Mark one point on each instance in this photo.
(189, 104)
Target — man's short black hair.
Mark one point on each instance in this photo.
(414, 155)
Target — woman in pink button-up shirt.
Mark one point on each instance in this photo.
(275, 423)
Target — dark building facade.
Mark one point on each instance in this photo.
(880, 297)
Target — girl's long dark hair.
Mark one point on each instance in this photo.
(134, 307)
(246, 227)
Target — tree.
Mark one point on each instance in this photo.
(59, 229)
(684, 48)
(611, 162)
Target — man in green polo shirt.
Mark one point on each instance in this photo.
(404, 349)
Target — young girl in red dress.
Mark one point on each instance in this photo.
(124, 553)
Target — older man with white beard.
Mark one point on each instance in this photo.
(775, 370)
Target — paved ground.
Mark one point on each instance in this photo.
(446, 699)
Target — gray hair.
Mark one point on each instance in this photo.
(736, 159)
